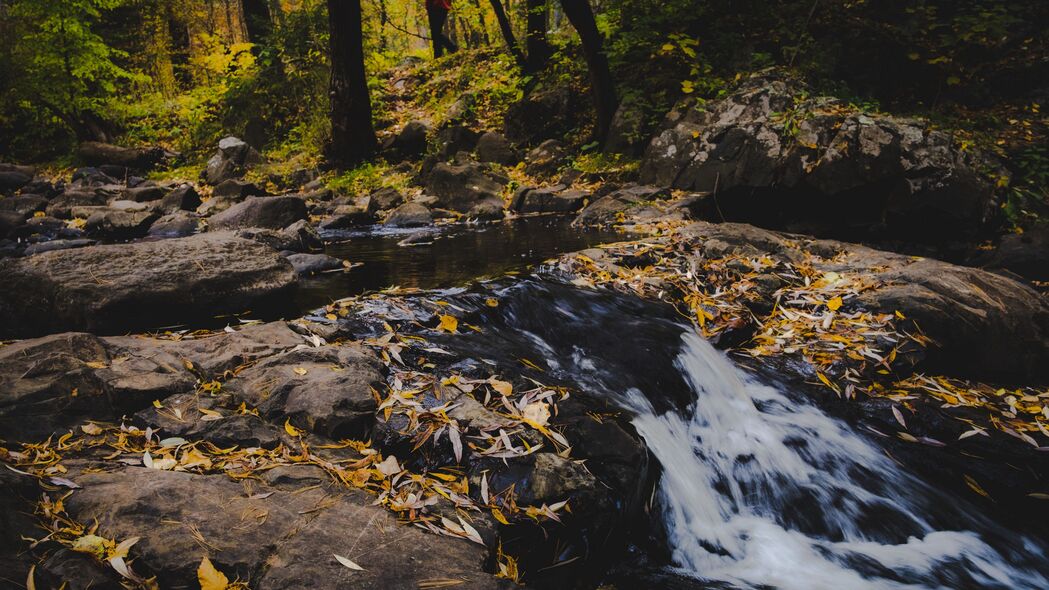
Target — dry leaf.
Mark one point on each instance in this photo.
(448, 324)
(209, 577)
(348, 563)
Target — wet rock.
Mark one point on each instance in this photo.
(12, 180)
(454, 139)
(410, 142)
(409, 215)
(51, 245)
(327, 389)
(547, 114)
(494, 147)
(180, 417)
(779, 158)
(545, 159)
(309, 264)
(639, 201)
(555, 199)
(264, 212)
(179, 224)
(119, 287)
(185, 198)
(119, 223)
(463, 188)
(24, 204)
(233, 158)
(346, 216)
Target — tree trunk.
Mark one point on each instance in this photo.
(602, 88)
(352, 135)
(538, 48)
(508, 32)
(257, 20)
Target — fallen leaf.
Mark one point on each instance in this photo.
(449, 324)
(91, 429)
(491, 302)
(537, 413)
(389, 467)
(834, 304)
(299, 371)
(503, 387)
(209, 577)
(291, 429)
(348, 563)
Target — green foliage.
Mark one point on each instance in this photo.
(1028, 197)
(367, 178)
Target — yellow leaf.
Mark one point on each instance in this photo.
(299, 371)
(449, 324)
(291, 429)
(30, 581)
(92, 544)
(503, 387)
(209, 577)
(969, 481)
(491, 302)
(331, 316)
(97, 364)
(834, 304)
(92, 429)
(499, 516)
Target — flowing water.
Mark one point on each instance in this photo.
(760, 489)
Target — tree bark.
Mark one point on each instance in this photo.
(602, 87)
(352, 134)
(538, 48)
(508, 32)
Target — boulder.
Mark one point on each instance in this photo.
(327, 389)
(12, 180)
(237, 190)
(263, 212)
(346, 216)
(1026, 254)
(91, 176)
(409, 215)
(179, 224)
(309, 264)
(297, 237)
(62, 205)
(777, 157)
(454, 139)
(494, 147)
(384, 199)
(144, 193)
(185, 198)
(634, 198)
(546, 159)
(115, 288)
(410, 142)
(542, 115)
(119, 223)
(142, 159)
(626, 133)
(233, 158)
(10, 220)
(24, 204)
(465, 187)
(554, 199)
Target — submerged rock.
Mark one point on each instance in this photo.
(117, 287)
(409, 215)
(308, 264)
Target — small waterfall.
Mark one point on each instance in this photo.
(760, 490)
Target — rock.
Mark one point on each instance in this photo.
(546, 159)
(117, 223)
(237, 190)
(608, 209)
(41, 247)
(409, 215)
(12, 180)
(91, 176)
(9, 220)
(494, 147)
(185, 198)
(233, 158)
(297, 237)
(142, 159)
(346, 216)
(29, 171)
(626, 134)
(287, 540)
(1025, 254)
(410, 142)
(24, 204)
(43, 188)
(462, 188)
(778, 158)
(309, 264)
(303, 386)
(542, 115)
(143, 194)
(179, 224)
(62, 205)
(115, 288)
(555, 199)
(454, 139)
(384, 199)
(263, 212)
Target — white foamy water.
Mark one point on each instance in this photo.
(760, 490)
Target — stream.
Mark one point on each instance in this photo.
(759, 487)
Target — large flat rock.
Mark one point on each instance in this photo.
(117, 288)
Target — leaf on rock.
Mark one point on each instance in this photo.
(449, 324)
(209, 577)
(291, 430)
(348, 563)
